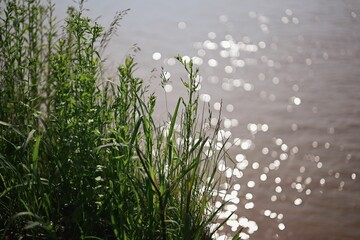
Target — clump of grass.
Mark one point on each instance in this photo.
(82, 157)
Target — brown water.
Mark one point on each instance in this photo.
(288, 72)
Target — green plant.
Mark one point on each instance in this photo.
(82, 157)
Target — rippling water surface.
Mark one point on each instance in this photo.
(288, 73)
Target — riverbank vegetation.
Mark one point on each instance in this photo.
(81, 156)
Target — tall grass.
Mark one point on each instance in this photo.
(82, 157)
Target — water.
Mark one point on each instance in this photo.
(288, 74)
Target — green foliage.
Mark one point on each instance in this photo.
(83, 158)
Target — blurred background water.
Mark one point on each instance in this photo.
(288, 74)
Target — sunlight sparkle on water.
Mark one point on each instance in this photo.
(278, 141)
(284, 147)
(201, 52)
(294, 127)
(281, 226)
(217, 106)
(212, 35)
(237, 141)
(181, 25)
(227, 59)
(228, 173)
(298, 179)
(296, 100)
(186, 59)
(212, 63)
(226, 44)
(234, 122)
(319, 165)
(248, 87)
(229, 107)
(227, 123)
(218, 146)
(252, 127)
(246, 144)
(171, 61)
(223, 18)
(168, 88)
(264, 28)
(229, 69)
(263, 177)
(295, 88)
(248, 196)
(308, 61)
(283, 156)
(262, 44)
(167, 75)
(265, 150)
(156, 56)
(197, 61)
(231, 207)
(295, 20)
(277, 180)
(242, 165)
(239, 63)
(249, 205)
(298, 201)
(210, 45)
(285, 20)
(224, 54)
(205, 97)
(214, 121)
(240, 157)
(252, 14)
(221, 166)
(273, 215)
(264, 127)
(251, 184)
(353, 176)
(255, 165)
(226, 86)
(267, 213)
(295, 150)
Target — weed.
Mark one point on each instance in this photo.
(83, 158)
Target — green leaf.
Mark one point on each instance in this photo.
(237, 234)
(31, 225)
(30, 135)
(35, 155)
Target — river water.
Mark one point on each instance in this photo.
(288, 74)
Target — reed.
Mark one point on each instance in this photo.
(81, 157)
